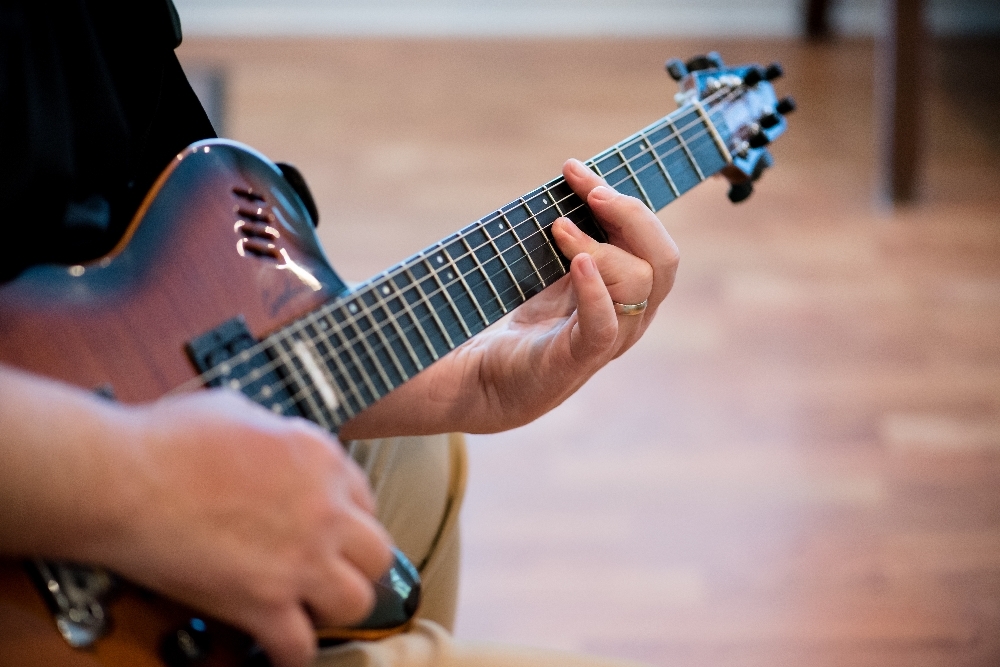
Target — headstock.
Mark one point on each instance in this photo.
(744, 108)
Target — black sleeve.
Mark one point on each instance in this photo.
(93, 105)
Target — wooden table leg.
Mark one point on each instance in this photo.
(901, 68)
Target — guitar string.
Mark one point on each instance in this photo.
(379, 346)
(286, 334)
(375, 347)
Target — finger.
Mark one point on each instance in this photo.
(628, 278)
(580, 178)
(593, 336)
(345, 598)
(365, 544)
(287, 638)
(633, 227)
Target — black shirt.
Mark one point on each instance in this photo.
(93, 106)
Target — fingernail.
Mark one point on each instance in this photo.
(602, 192)
(587, 264)
(577, 167)
(572, 229)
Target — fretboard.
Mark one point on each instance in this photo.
(357, 348)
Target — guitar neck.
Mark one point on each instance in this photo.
(346, 355)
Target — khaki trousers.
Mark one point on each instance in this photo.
(419, 484)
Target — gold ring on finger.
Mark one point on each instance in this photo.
(631, 308)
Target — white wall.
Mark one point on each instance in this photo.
(556, 17)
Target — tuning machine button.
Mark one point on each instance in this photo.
(676, 69)
(786, 105)
(773, 71)
(753, 76)
(769, 120)
(740, 191)
(710, 60)
(758, 139)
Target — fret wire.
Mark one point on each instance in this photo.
(388, 347)
(304, 385)
(486, 230)
(402, 335)
(335, 358)
(663, 168)
(521, 243)
(444, 291)
(541, 230)
(635, 177)
(481, 267)
(712, 130)
(418, 325)
(465, 285)
(687, 150)
(358, 364)
(430, 307)
(207, 377)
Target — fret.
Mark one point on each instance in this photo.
(365, 351)
(720, 143)
(440, 299)
(671, 154)
(698, 138)
(361, 372)
(687, 150)
(643, 163)
(404, 354)
(339, 362)
(404, 313)
(425, 310)
(317, 330)
(674, 192)
(467, 295)
(632, 173)
(513, 250)
(545, 210)
(499, 259)
(520, 242)
(381, 347)
(616, 172)
(475, 277)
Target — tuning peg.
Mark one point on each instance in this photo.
(786, 106)
(708, 61)
(740, 191)
(753, 76)
(769, 120)
(764, 161)
(758, 139)
(774, 71)
(676, 69)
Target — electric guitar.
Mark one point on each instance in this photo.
(220, 281)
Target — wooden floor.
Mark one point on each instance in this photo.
(800, 463)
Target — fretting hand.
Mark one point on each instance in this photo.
(533, 359)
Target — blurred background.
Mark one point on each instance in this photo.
(800, 462)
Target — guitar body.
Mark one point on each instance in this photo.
(121, 323)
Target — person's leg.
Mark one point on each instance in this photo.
(419, 483)
(429, 645)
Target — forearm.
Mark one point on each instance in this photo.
(60, 490)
